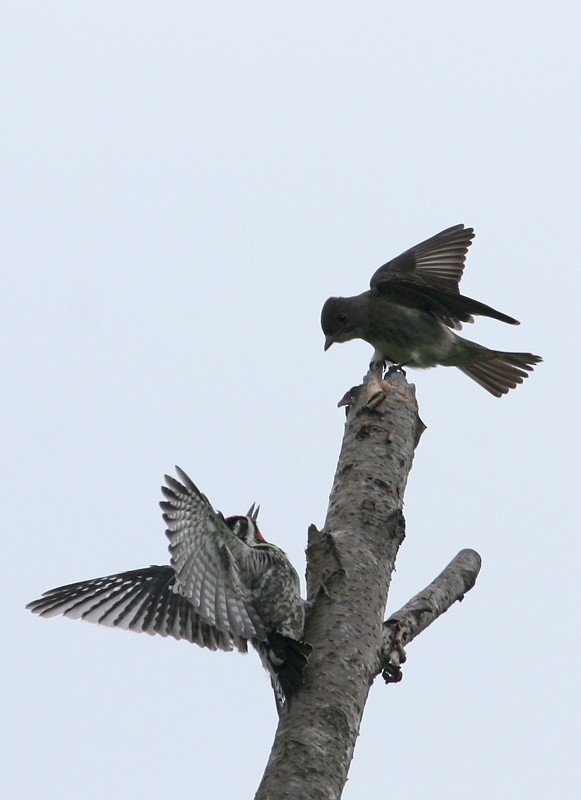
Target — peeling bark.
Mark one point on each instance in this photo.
(349, 567)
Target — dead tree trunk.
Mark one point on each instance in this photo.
(349, 567)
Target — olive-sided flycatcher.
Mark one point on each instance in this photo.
(409, 311)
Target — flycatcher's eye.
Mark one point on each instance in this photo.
(342, 316)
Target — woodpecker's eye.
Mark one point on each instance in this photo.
(238, 526)
(342, 317)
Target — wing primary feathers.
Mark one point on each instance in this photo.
(207, 557)
(437, 261)
(224, 587)
(142, 600)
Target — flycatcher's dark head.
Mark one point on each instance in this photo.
(246, 528)
(340, 320)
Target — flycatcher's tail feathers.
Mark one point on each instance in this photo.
(502, 372)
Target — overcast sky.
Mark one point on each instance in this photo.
(183, 185)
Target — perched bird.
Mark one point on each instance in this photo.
(225, 586)
(407, 314)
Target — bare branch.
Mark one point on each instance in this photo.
(402, 627)
(349, 566)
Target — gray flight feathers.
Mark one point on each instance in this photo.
(206, 557)
(141, 600)
(220, 591)
(427, 276)
(438, 260)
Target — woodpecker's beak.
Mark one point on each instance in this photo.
(253, 512)
(329, 340)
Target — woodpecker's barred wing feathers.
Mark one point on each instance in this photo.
(206, 556)
(142, 600)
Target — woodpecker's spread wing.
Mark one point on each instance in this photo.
(427, 276)
(439, 261)
(143, 600)
(208, 559)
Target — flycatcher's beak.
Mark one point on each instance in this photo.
(328, 341)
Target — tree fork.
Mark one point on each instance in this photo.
(349, 568)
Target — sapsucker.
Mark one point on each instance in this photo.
(225, 586)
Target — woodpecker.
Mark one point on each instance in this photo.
(407, 314)
(225, 586)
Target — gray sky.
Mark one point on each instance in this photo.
(183, 186)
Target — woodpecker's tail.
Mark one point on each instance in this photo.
(502, 372)
(285, 659)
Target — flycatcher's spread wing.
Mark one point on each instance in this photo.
(438, 262)
(206, 556)
(426, 277)
(143, 600)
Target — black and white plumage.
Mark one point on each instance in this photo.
(225, 586)
(413, 303)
